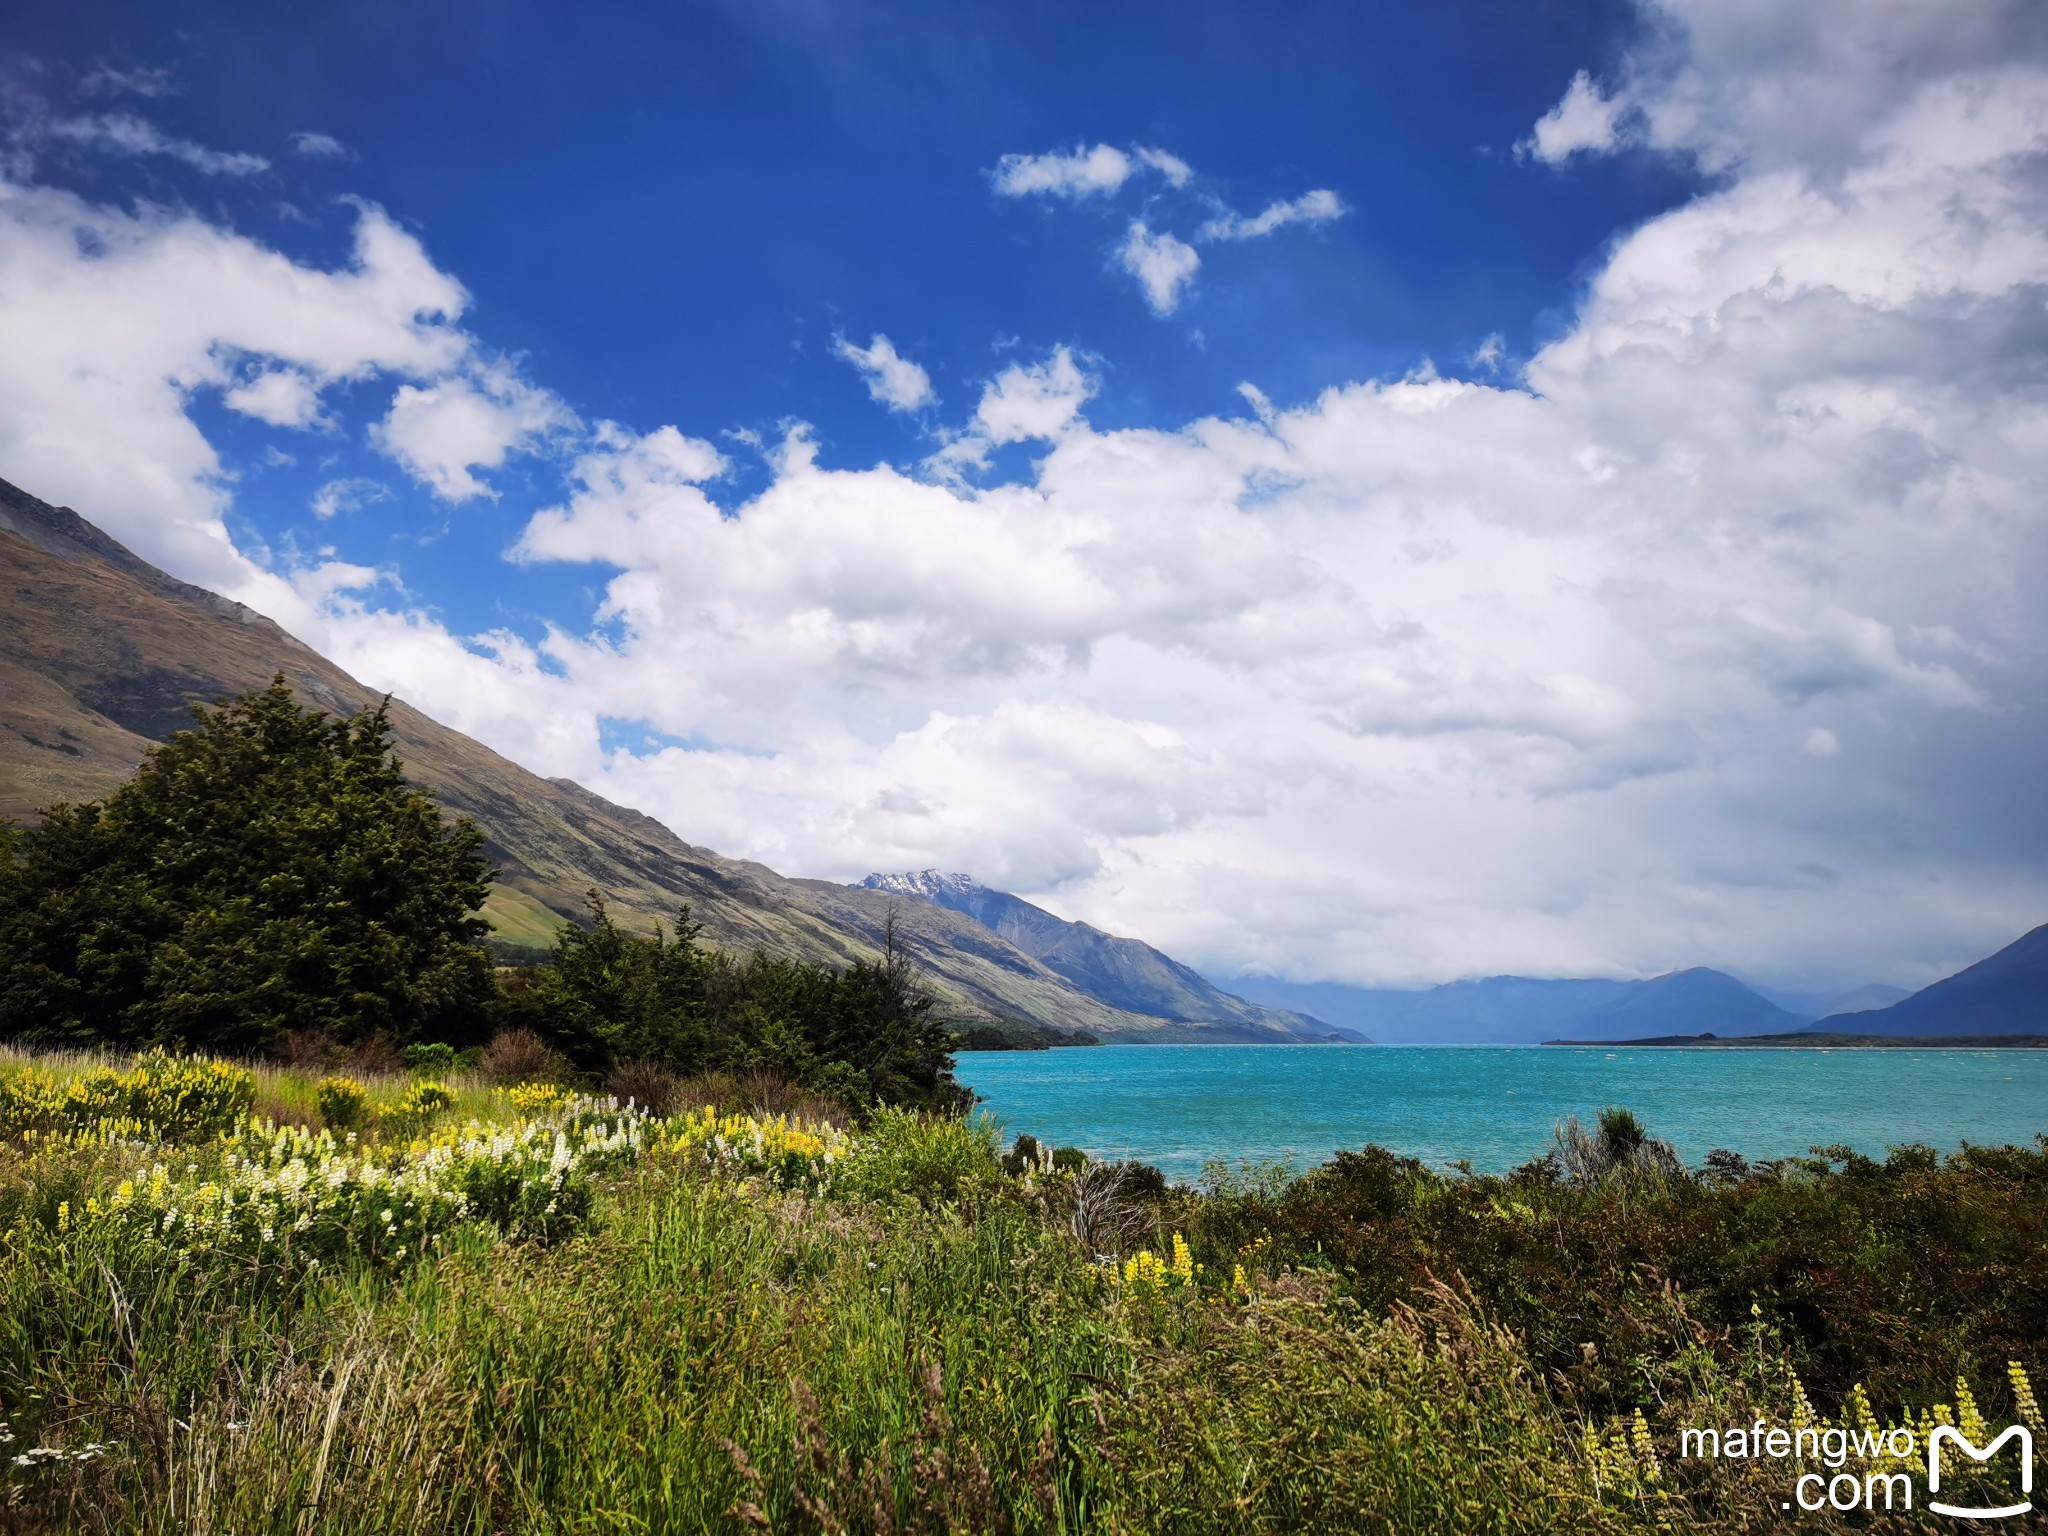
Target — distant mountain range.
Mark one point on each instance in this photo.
(2006, 994)
(1124, 973)
(1524, 1010)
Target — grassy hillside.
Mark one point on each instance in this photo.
(101, 654)
(1126, 973)
(492, 1307)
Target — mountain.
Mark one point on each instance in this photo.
(1526, 1010)
(2006, 994)
(1124, 973)
(101, 653)
(1864, 999)
(1696, 1001)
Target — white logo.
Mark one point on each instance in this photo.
(1968, 1448)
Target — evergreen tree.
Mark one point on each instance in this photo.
(606, 996)
(265, 871)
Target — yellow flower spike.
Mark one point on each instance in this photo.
(2023, 1397)
(1968, 1419)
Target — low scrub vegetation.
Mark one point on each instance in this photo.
(516, 1307)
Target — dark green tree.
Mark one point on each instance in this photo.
(267, 870)
(607, 996)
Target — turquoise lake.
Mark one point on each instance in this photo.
(1176, 1106)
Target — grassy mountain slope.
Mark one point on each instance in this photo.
(101, 654)
(1127, 973)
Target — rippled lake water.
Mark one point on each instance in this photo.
(1178, 1105)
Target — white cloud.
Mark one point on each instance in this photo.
(442, 431)
(319, 146)
(123, 133)
(284, 397)
(347, 494)
(893, 380)
(1163, 265)
(1423, 677)
(1583, 122)
(1086, 171)
(1040, 400)
(140, 81)
(111, 320)
(1412, 678)
(1311, 208)
(1176, 170)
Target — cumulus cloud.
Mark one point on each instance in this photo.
(284, 397)
(1163, 265)
(1709, 636)
(1637, 660)
(1583, 121)
(1311, 208)
(893, 380)
(123, 133)
(1083, 172)
(441, 432)
(113, 320)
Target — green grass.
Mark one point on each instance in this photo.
(924, 1348)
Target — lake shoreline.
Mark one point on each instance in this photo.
(1822, 1042)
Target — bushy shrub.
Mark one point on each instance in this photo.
(344, 1103)
(521, 1056)
(520, 1204)
(434, 1058)
(1893, 1274)
(421, 1103)
(789, 1154)
(646, 1083)
(929, 1159)
(534, 1098)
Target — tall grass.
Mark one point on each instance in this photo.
(906, 1338)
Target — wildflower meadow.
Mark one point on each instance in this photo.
(469, 1306)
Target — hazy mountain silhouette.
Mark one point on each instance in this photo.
(1865, 998)
(1526, 1010)
(2005, 994)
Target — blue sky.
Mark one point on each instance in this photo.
(668, 213)
(1368, 493)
